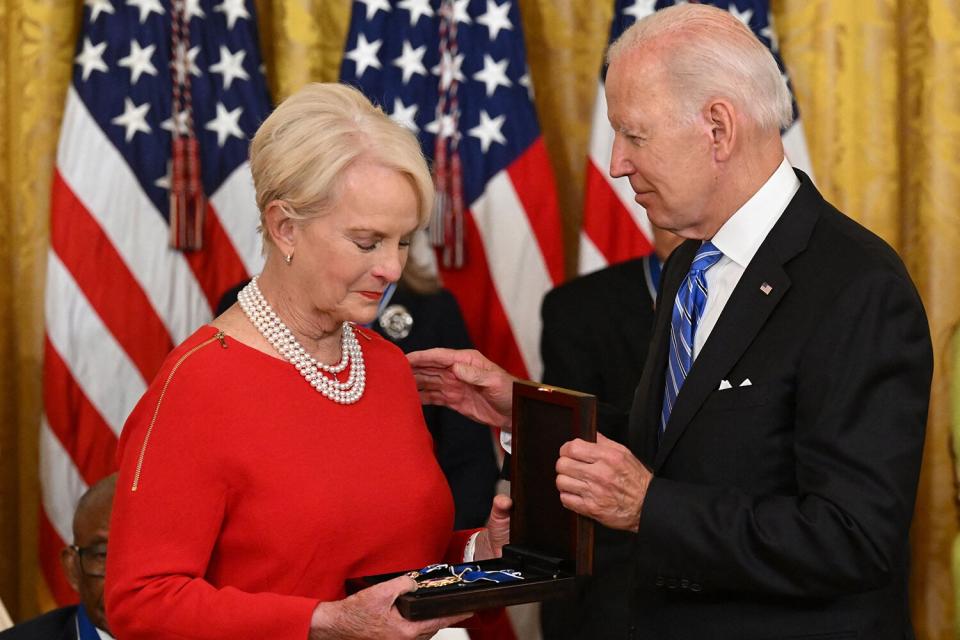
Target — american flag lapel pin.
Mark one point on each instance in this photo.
(766, 288)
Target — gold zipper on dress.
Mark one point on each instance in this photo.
(219, 336)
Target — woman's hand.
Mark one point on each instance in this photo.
(465, 381)
(490, 540)
(370, 614)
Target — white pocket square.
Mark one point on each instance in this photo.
(746, 382)
(724, 384)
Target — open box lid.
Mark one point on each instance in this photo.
(544, 418)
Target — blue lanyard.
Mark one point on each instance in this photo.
(85, 628)
(651, 274)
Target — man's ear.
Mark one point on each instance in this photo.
(280, 226)
(723, 130)
(71, 569)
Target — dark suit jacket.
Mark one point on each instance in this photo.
(596, 330)
(464, 448)
(59, 624)
(782, 509)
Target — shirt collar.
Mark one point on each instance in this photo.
(741, 236)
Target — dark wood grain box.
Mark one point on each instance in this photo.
(549, 545)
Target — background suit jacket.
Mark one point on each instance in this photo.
(59, 624)
(596, 330)
(782, 509)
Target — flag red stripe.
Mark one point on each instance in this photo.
(218, 266)
(82, 431)
(49, 546)
(106, 281)
(608, 224)
(533, 181)
(482, 310)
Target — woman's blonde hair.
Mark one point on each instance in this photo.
(301, 152)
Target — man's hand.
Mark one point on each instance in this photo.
(465, 381)
(490, 541)
(603, 481)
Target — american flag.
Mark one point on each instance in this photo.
(458, 68)
(117, 296)
(615, 228)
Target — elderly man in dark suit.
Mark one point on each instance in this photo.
(777, 430)
(84, 563)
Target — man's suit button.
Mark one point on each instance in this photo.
(684, 584)
(672, 583)
(695, 587)
(659, 581)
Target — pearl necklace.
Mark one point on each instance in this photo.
(322, 377)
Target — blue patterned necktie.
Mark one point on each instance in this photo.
(687, 309)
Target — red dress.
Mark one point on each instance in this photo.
(245, 497)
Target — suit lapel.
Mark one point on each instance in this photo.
(761, 287)
(649, 397)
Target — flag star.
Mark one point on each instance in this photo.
(180, 65)
(445, 126)
(230, 66)
(767, 32)
(744, 16)
(417, 9)
(164, 181)
(182, 123)
(91, 58)
(364, 55)
(234, 10)
(372, 6)
(640, 9)
(411, 61)
(496, 18)
(133, 118)
(488, 131)
(460, 11)
(146, 7)
(98, 6)
(493, 74)
(524, 81)
(139, 61)
(227, 123)
(449, 69)
(193, 9)
(406, 116)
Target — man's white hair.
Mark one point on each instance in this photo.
(707, 53)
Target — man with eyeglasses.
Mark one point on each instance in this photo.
(84, 563)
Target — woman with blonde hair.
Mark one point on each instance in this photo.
(281, 449)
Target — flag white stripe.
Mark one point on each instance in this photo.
(236, 205)
(130, 220)
(522, 279)
(590, 258)
(61, 485)
(99, 365)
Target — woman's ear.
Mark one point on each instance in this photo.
(280, 226)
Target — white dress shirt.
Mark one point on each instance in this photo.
(738, 239)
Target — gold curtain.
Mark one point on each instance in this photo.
(876, 81)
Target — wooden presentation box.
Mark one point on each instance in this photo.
(549, 545)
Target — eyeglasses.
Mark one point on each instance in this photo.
(93, 559)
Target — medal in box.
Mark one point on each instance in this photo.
(550, 546)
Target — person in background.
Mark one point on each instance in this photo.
(596, 331)
(84, 564)
(777, 431)
(281, 450)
